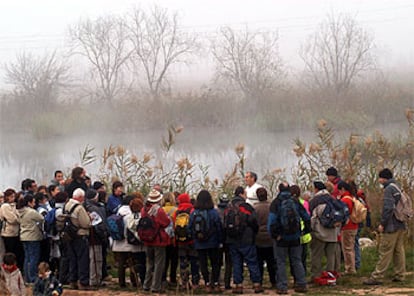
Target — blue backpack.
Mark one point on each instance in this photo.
(289, 217)
(115, 225)
(50, 223)
(201, 228)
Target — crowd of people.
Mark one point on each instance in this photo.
(63, 235)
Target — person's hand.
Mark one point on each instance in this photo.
(380, 229)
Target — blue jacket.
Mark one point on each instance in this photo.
(215, 229)
(114, 203)
(287, 240)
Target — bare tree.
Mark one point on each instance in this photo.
(37, 78)
(158, 44)
(337, 53)
(249, 60)
(104, 43)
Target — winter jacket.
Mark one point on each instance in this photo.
(263, 239)
(123, 245)
(47, 286)
(287, 240)
(391, 197)
(14, 282)
(215, 233)
(75, 184)
(99, 233)
(161, 218)
(80, 217)
(11, 225)
(249, 234)
(113, 204)
(31, 224)
(347, 199)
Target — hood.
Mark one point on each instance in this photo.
(124, 210)
(184, 198)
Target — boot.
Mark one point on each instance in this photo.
(258, 288)
(238, 289)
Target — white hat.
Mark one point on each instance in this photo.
(154, 196)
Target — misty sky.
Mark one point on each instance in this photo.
(41, 25)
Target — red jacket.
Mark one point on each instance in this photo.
(347, 199)
(161, 218)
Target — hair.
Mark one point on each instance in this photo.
(78, 192)
(137, 194)
(42, 187)
(102, 196)
(238, 191)
(43, 267)
(27, 183)
(261, 193)
(253, 175)
(39, 197)
(329, 186)
(284, 186)
(76, 173)
(354, 187)
(343, 185)
(61, 197)
(126, 200)
(51, 188)
(24, 201)
(295, 191)
(9, 259)
(58, 172)
(204, 200)
(9, 192)
(136, 205)
(115, 185)
(168, 197)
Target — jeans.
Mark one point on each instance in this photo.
(78, 253)
(213, 254)
(357, 250)
(244, 253)
(188, 256)
(225, 259)
(295, 257)
(31, 260)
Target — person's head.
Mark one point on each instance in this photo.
(127, 200)
(43, 268)
(250, 178)
(307, 195)
(332, 174)
(154, 197)
(10, 195)
(117, 188)
(204, 200)
(295, 191)
(79, 195)
(27, 201)
(92, 194)
(239, 191)
(61, 197)
(9, 259)
(344, 187)
(40, 198)
(53, 190)
(319, 185)
(158, 187)
(137, 194)
(354, 187)
(330, 186)
(168, 198)
(58, 176)
(385, 175)
(42, 189)
(136, 205)
(224, 198)
(99, 186)
(261, 194)
(78, 174)
(29, 185)
(88, 181)
(284, 187)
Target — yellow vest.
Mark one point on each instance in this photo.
(306, 238)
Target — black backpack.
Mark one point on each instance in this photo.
(147, 228)
(289, 217)
(64, 225)
(235, 219)
(336, 213)
(201, 228)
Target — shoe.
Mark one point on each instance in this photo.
(257, 287)
(372, 282)
(397, 280)
(280, 291)
(301, 289)
(108, 278)
(208, 288)
(146, 289)
(216, 288)
(85, 287)
(74, 285)
(238, 289)
(227, 287)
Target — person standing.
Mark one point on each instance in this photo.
(251, 187)
(392, 233)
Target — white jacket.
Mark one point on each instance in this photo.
(122, 245)
(14, 282)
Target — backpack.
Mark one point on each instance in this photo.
(147, 228)
(235, 219)
(64, 225)
(336, 213)
(403, 210)
(359, 211)
(170, 228)
(201, 227)
(327, 278)
(182, 220)
(115, 225)
(50, 222)
(289, 217)
(131, 230)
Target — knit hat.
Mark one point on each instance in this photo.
(332, 172)
(385, 174)
(97, 185)
(183, 198)
(154, 196)
(319, 185)
(224, 197)
(91, 194)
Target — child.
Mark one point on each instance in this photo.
(12, 276)
(46, 284)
